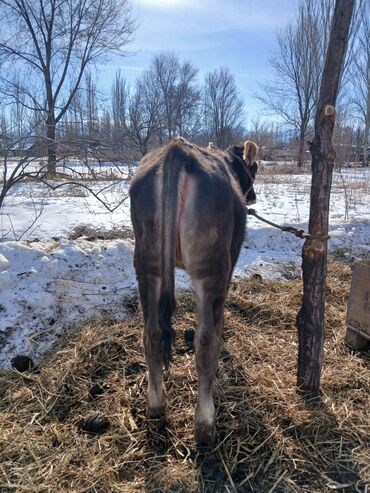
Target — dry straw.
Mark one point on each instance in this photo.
(268, 440)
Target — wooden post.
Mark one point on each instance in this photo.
(310, 318)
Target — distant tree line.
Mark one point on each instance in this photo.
(166, 100)
(48, 90)
(297, 67)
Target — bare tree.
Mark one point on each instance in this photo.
(188, 98)
(359, 71)
(4, 132)
(54, 42)
(107, 130)
(297, 67)
(91, 108)
(164, 69)
(263, 134)
(178, 93)
(74, 120)
(18, 111)
(119, 105)
(223, 107)
(145, 113)
(344, 138)
(3, 123)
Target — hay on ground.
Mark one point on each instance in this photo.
(268, 440)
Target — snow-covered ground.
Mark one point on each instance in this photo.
(61, 210)
(48, 282)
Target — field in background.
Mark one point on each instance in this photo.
(32, 210)
(268, 440)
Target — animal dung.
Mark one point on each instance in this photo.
(97, 390)
(135, 368)
(22, 363)
(94, 423)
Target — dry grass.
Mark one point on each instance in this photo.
(268, 440)
(92, 233)
(270, 168)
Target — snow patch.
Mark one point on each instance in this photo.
(4, 263)
(49, 286)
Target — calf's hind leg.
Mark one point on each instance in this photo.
(149, 289)
(211, 295)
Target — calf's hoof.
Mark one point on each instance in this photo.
(205, 434)
(156, 412)
(155, 403)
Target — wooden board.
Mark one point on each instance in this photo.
(358, 314)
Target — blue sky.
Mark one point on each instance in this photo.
(240, 34)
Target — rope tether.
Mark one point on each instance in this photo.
(300, 233)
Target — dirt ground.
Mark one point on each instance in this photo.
(268, 439)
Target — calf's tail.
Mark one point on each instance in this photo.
(174, 162)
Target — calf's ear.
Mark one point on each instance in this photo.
(250, 151)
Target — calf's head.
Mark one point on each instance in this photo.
(245, 168)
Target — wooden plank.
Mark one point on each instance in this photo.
(358, 313)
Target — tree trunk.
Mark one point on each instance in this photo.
(300, 150)
(367, 117)
(51, 144)
(3, 193)
(144, 149)
(366, 143)
(310, 318)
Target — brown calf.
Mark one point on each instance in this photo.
(188, 210)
